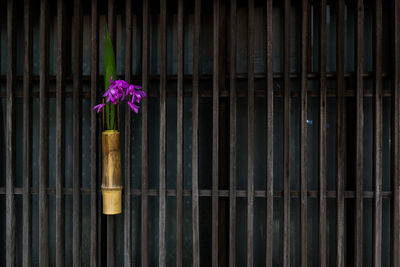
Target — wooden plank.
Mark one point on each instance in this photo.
(224, 193)
(377, 224)
(94, 93)
(232, 137)
(215, 133)
(60, 128)
(179, 145)
(77, 135)
(340, 134)
(111, 219)
(145, 143)
(250, 135)
(110, 241)
(10, 156)
(286, 136)
(270, 138)
(163, 130)
(195, 135)
(395, 161)
(128, 136)
(322, 137)
(303, 132)
(359, 136)
(27, 139)
(43, 138)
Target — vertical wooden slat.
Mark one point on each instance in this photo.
(395, 160)
(286, 137)
(270, 139)
(128, 125)
(77, 134)
(43, 139)
(93, 133)
(179, 145)
(10, 156)
(60, 86)
(111, 219)
(163, 81)
(303, 132)
(232, 138)
(195, 135)
(250, 135)
(340, 134)
(145, 159)
(359, 136)
(27, 140)
(110, 241)
(322, 136)
(377, 235)
(215, 133)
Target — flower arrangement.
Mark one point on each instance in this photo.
(116, 92)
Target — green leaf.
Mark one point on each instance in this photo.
(109, 70)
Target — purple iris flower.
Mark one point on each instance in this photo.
(117, 92)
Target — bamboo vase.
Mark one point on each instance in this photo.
(111, 185)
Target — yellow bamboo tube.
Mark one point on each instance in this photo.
(111, 185)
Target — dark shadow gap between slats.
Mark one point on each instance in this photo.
(93, 134)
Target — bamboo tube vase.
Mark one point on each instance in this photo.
(111, 185)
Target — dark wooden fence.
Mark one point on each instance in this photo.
(279, 194)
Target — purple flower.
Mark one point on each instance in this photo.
(133, 107)
(117, 92)
(99, 107)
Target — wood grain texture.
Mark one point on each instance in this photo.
(340, 134)
(303, 132)
(179, 145)
(111, 22)
(377, 58)
(270, 138)
(195, 136)
(43, 137)
(77, 136)
(128, 138)
(215, 134)
(286, 135)
(145, 143)
(322, 137)
(359, 135)
(94, 118)
(163, 134)
(10, 142)
(60, 128)
(27, 139)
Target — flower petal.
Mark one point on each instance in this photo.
(98, 107)
(133, 107)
